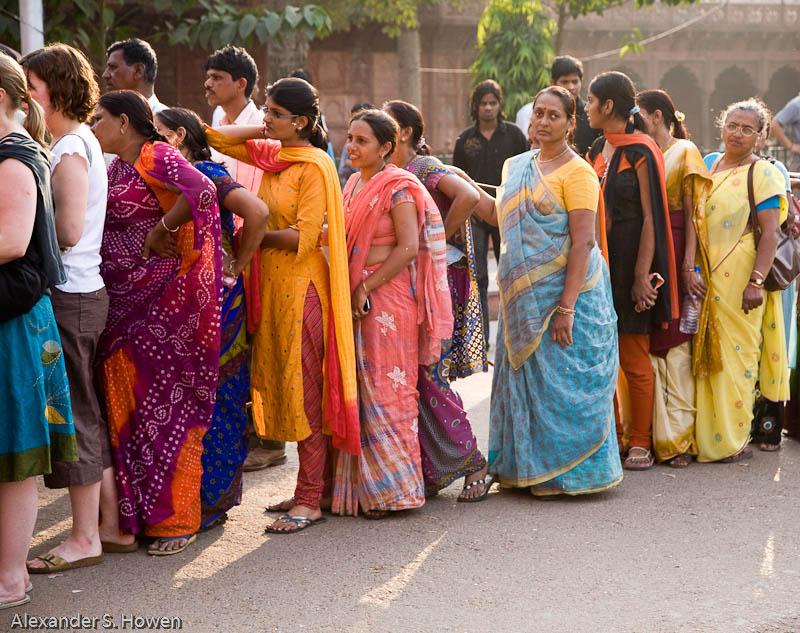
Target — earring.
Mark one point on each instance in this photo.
(121, 131)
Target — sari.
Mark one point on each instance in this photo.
(224, 446)
(410, 316)
(448, 444)
(735, 349)
(551, 429)
(159, 354)
(670, 349)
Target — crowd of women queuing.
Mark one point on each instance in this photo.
(131, 355)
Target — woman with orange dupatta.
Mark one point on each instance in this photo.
(303, 377)
(688, 183)
(640, 250)
(402, 308)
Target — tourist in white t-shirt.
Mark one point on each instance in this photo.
(62, 81)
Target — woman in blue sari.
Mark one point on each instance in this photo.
(224, 447)
(556, 362)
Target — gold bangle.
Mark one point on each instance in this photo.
(169, 229)
(566, 311)
(760, 276)
(755, 285)
(364, 286)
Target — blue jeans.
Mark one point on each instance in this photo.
(481, 231)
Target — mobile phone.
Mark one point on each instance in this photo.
(367, 305)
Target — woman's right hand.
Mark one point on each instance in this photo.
(359, 301)
(693, 284)
(643, 294)
(752, 297)
(161, 242)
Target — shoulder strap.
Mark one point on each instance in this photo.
(83, 140)
(751, 196)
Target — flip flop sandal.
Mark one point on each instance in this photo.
(680, 461)
(119, 548)
(743, 454)
(481, 497)
(301, 524)
(53, 563)
(375, 515)
(166, 539)
(640, 461)
(15, 603)
(769, 448)
(29, 588)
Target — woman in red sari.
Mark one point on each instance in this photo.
(158, 357)
(401, 305)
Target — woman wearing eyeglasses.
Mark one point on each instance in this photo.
(731, 355)
(303, 374)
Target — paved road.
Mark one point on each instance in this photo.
(714, 548)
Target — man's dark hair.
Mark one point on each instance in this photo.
(238, 63)
(136, 51)
(486, 87)
(302, 73)
(566, 65)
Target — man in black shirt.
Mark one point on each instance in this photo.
(566, 72)
(481, 151)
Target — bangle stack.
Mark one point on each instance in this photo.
(756, 280)
(566, 311)
(164, 224)
(364, 286)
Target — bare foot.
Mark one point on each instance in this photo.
(295, 511)
(288, 504)
(70, 550)
(12, 593)
(114, 536)
(473, 492)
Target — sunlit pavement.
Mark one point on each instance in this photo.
(714, 548)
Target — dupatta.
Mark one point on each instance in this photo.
(431, 289)
(340, 397)
(667, 306)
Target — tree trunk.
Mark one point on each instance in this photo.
(408, 52)
(561, 21)
(286, 54)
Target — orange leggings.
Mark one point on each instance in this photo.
(634, 360)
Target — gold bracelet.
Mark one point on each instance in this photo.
(756, 285)
(169, 229)
(566, 311)
(758, 274)
(364, 286)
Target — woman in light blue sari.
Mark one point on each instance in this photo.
(556, 365)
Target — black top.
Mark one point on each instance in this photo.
(584, 135)
(483, 159)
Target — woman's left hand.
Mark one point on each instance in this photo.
(752, 297)
(359, 300)
(561, 330)
(161, 242)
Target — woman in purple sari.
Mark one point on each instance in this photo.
(159, 354)
(448, 445)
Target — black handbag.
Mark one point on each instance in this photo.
(786, 265)
(22, 284)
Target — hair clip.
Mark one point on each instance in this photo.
(420, 142)
(634, 110)
(680, 117)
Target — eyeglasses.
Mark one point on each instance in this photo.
(274, 114)
(744, 130)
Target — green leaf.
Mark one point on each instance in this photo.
(292, 15)
(247, 25)
(226, 34)
(272, 22)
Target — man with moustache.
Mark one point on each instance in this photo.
(132, 65)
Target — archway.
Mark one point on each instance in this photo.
(683, 86)
(783, 86)
(732, 84)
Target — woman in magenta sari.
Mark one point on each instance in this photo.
(401, 304)
(159, 354)
(448, 444)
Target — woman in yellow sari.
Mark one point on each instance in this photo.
(688, 183)
(741, 338)
(303, 376)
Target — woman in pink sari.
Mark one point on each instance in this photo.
(401, 305)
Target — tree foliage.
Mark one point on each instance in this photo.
(514, 42)
(92, 25)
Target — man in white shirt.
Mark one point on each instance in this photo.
(231, 77)
(132, 65)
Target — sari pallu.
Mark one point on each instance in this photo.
(670, 349)
(159, 354)
(448, 444)
(752, 347)
(410, 316)
(552, 408)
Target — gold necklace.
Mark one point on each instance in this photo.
(550, 160)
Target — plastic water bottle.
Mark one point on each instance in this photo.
(690, 313)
